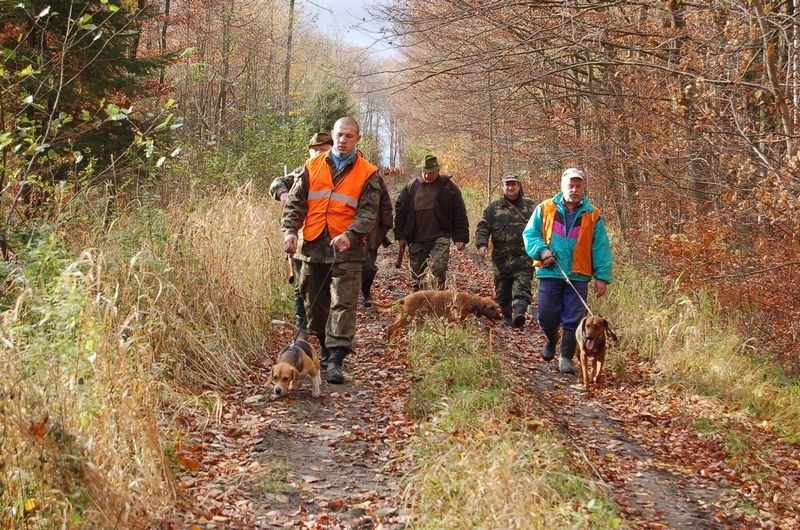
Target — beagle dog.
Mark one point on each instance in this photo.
(295, 361)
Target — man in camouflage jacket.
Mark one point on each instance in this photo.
(279, 190)
(503, 221)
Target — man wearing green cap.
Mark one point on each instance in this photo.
(279, 190)
(429, 213)
(503, 221)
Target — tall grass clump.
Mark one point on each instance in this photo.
(692, 344)
(476, 466)
(169, 297)
(79, 440)
(218, 276)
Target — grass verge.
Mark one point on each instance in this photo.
(693, 345)
(477, 465)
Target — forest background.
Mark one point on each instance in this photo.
(133, 133)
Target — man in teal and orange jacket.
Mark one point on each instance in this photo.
(567, 238)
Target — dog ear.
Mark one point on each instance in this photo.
(295, 378)
(610, 331)
(271, 377)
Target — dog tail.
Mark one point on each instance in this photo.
(287, 325)
(384, 307)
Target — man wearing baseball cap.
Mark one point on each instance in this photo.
(567, 237)
(503, 221)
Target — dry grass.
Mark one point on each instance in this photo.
(94, 348)
(80, 444)
(500, 478)
(693, 345)
(225, 287)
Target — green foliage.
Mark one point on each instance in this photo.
(69, 79)
(370, 147)
(260, 151)
(329, 106)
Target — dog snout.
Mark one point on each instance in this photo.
(277, 391)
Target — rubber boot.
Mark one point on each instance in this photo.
(549, 350)
(366, 294)
(520, 306)
(567, 353)
(334, 374)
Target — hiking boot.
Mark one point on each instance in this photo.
(334, 374)
(325, 355)
(549, 350)
(366, 299)
(567, 353)
(520, 306)
(507, 320)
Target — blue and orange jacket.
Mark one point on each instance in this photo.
(583, 249)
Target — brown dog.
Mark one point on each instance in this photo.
(294, 362)
(591, 338)
(453, 305)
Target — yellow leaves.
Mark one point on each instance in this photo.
(30, 505)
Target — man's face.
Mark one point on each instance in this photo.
(317, 149)
(511, 190)
(573, 191)
(429, 176)
(345, 137)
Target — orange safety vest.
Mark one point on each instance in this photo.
(329, 205)
(582, 257)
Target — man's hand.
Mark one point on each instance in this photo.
(340, 243)
(482, 251)
(461, 246)
(600, 288)
(290, 243)
(547, 257)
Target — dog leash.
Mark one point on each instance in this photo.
(316, 296)
(566, 278)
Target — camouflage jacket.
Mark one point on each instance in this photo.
(385, 219)
(284, 183)
(503, 222)
(320, 249)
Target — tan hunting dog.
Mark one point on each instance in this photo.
(591, 338)
(295, 361)
(453, 305)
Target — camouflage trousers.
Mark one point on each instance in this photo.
(299, 305)
(330, 292)
(433, 255)
(512, 285)
(369, 270)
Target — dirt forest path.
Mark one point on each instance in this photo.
(337, 462)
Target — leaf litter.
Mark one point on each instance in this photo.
(337, 462)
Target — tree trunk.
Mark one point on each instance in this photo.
(288, 65)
